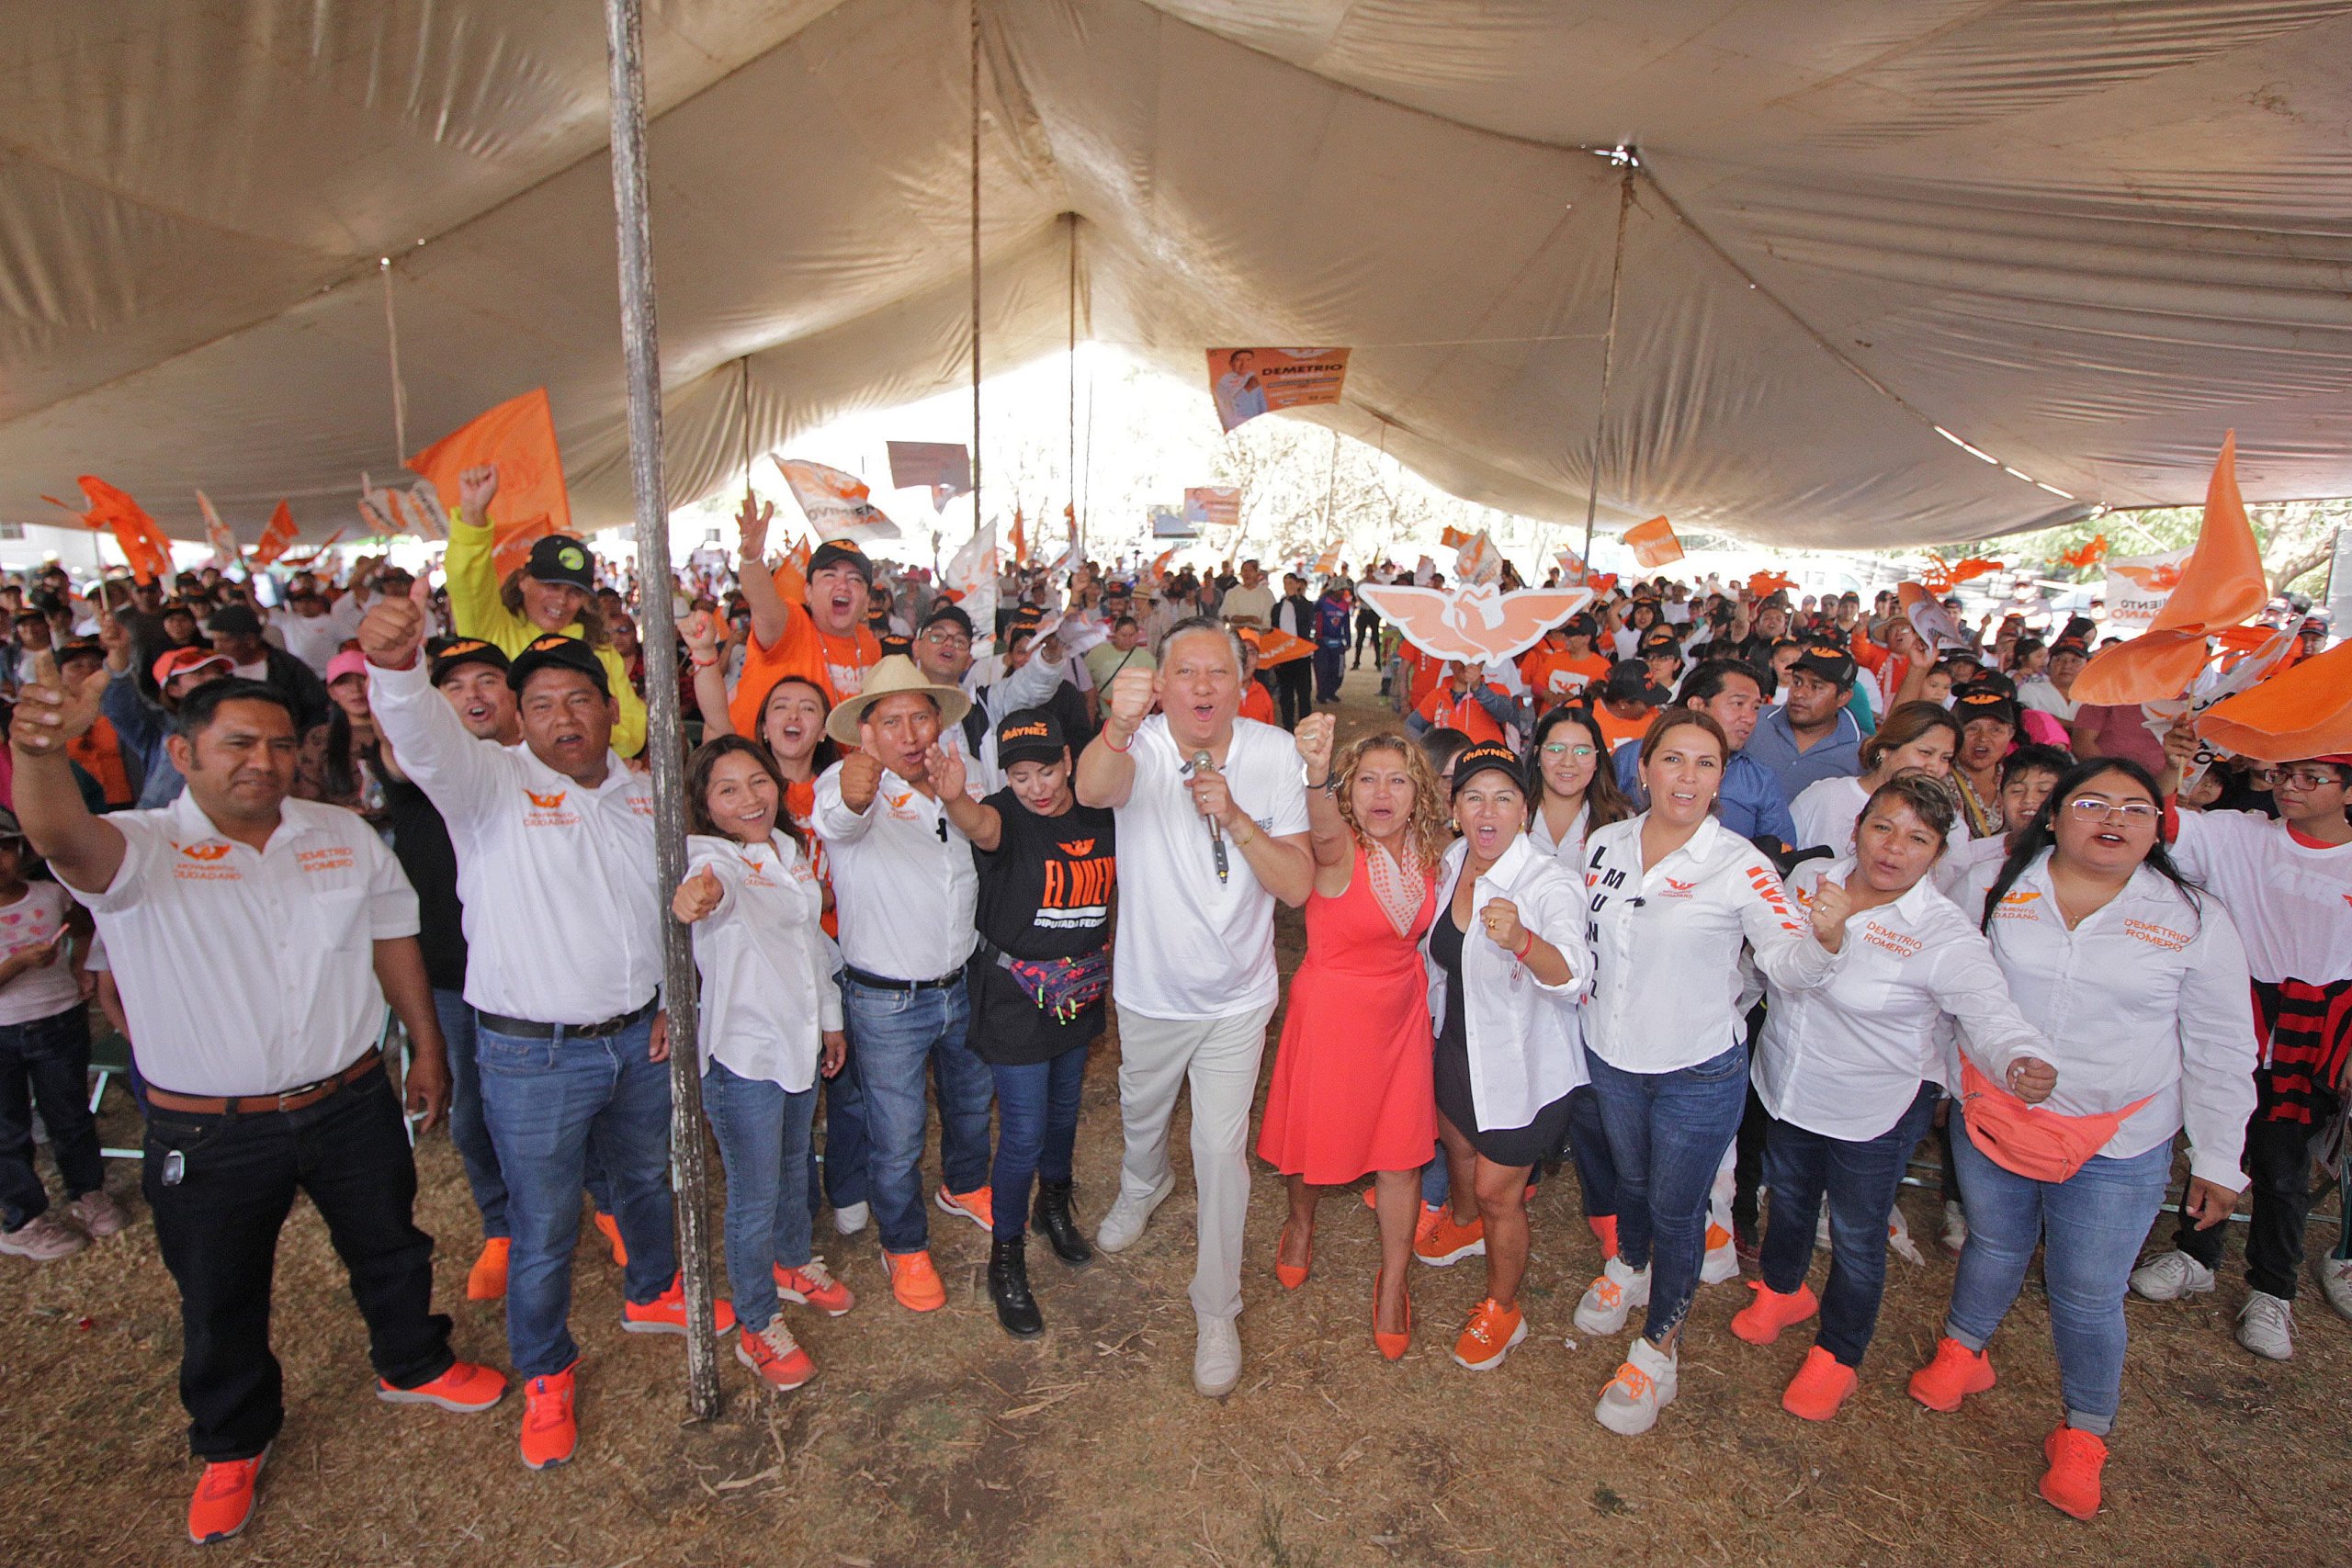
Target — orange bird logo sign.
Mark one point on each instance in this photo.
(1474, 621)
(2154, 579)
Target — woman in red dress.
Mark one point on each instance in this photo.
(1351, 1089)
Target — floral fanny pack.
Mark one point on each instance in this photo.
(1062, 987)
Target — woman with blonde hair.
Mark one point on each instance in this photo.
(1917, 737)
(1351, 1089)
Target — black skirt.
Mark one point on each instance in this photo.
(1498, 1146)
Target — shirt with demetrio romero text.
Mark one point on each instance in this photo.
(245, 971)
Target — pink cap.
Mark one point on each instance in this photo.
(350, 661)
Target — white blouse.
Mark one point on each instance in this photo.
(767, 968)
(1525, 1049)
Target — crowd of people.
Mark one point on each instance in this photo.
(1709, 899)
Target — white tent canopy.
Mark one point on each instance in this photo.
(2084, 237)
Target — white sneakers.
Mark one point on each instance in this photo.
(43, 1239)
(852, 1219)
(2334, 1277)
(1721, 1262)
(1644, 1385)
(1955, 1228)
(2169, 1276)
(1609, 1299)
(2267, 1326)
(1125, 1221)
(1216, 1354)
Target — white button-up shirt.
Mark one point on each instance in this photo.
(903, 882)
(1846, 1058)
(1525, 1047)
(244, 971)
(563, 921)
(1666, 944)
(767, 976)
(2291, 899)
(2146, 998)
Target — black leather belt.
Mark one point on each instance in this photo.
(884, 983)
(528, 1029)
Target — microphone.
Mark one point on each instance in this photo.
(1204, 762)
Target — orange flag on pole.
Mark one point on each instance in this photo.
(1653, 543)
(1019, 539)
(143, 544)
(2222, 585)
(2303, 712)
(276, 535)
(518, 437)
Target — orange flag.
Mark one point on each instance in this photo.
(1764, 584)
(2222, 585)
(1275, 646)
(791, 575)
(1653, 543)
(297, 562)
(1454, 538)
(2303, 712)
(518, 435)
(276, 535)
(1020, 540)
(143, 544)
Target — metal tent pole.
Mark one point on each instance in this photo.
(623, 36)
(1607, 359)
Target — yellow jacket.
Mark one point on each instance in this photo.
(475, 608)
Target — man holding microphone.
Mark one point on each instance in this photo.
(1212, 816)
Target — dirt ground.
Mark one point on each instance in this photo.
(926, 1441)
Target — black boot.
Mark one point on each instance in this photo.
(1051, 1219)
(1016, 1309)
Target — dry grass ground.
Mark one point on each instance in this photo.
(933, 1441)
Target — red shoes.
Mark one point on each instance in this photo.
(550, 1429)
(666, 1313)
(1820, 1386)
(2071, 1484)
(223, 1502)
(464, 1389)
(486, 1281)
(1955, 1373)
(1392, 1346)
(1761, 1319)
(1292, 1275)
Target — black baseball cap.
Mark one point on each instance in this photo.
(561, 558)
(1629, 682)
(1484, 755)
(1830, 661)
(948, 610)
(1029, 734)
(444, 654)
(1979, 700)
(236, 620)
(1581, 625)
(834, 553)
(557, 651)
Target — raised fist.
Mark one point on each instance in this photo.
(1832, 907)
(477, 487)
(861, 777)
(1130, 700)
(1316, 733)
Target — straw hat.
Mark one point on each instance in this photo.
(890, 677)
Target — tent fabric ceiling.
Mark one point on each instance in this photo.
(2083, 237)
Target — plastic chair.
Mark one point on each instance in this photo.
(110, 1058)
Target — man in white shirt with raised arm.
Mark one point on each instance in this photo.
(563, 970)
(256, 940)
(1212, 817)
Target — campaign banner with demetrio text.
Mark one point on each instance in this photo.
(1247, 382)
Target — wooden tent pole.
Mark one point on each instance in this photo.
(640, 344)
(1607, 361)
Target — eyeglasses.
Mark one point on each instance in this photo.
(946, 640)
(1562, 748)
(2301, 778)
(2091, 808)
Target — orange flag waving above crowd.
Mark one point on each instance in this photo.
(1654, 543)
(143, 544)
(276, 535)
(2222, 585)
(518, 437)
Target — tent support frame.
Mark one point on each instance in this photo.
(640, 342)
(1608, 354)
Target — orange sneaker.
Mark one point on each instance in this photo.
(914, 1281)
(486, 1281)
(550, 1431)
(465, 1388)
(612, 1229)
(776, 1355)
(1955, 1373)
(977, 1205)
(1450, 1241)
(1489, 1335)
(1761, 1319)
(1820, 1386)
(1604, 1229)
(2071, 1484)
(1392, 1346)
(813, 1285)
(1292, 1275)
(223, 1502)
(666, 1313)
(1425, 1222)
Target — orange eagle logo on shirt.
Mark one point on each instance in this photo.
(1077, 849)
(204, 851)
(546, 802)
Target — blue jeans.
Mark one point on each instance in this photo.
(553, 1106)
(763, 1130)
(838, 1177)
(898, 1037)
(46, 1062)
(1859, 1179)
(468, 1130)
(1667, 1136)
(2091, 1227)
(1588, 1147)
(1036, 1129)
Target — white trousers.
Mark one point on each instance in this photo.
(1219, 1056)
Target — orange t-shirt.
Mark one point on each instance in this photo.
(800, 805)
(837, 663)
(100, 753)
(1446, 711)
(1556, 676)
(1257, 702)
(1422, 676)
(1616, 731)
